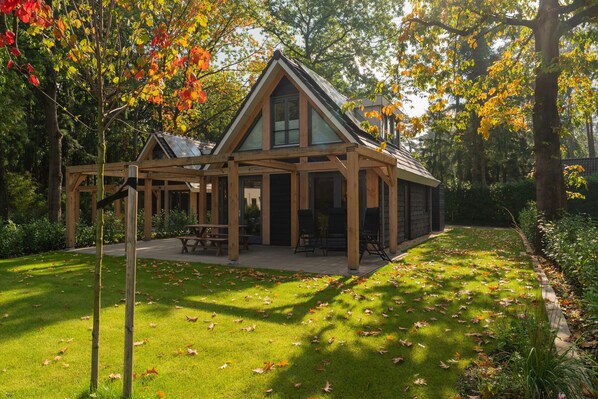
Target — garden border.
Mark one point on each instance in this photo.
(556, 317)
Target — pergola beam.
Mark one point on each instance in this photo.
(275, 165)
(376, 156)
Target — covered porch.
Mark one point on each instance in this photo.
(347, 159)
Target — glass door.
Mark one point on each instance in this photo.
(250, 191)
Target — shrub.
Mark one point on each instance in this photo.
(526, 364)
(572, 243)
(527, 221)
(29, 238)
(171, 224)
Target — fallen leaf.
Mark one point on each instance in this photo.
(283, 363)
(444, 365)
(153, 325)
(297, 385)
(238, 321)
(191, 319)
(249, 328)
(63, 350)
(191, 352)
(269, 391)
(46, 362)
(151, 371)
(57, 358)
(211, 326)
(85, 318)
(139, 343)
(161, 394)
(327, 388)
(225, 365)
(397, 360)
(420, 381)
(406, 343)
(114, 376)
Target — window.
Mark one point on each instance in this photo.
(285, 120)
(320, 130)
(253, 140)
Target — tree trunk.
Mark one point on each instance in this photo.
(98, 18)
(48, 101)
(550, 184)
(590, 133)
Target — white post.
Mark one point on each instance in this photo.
(131, 247)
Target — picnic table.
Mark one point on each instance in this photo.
(207, 234)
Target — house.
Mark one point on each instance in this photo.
(289, 147)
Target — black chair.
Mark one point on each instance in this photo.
(308, 234)
(369, 237)
(336, 232)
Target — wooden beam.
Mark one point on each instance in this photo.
(266, 133)
(376, 156)
(203, 198)
(215, 219)
(243, 171)
(70, 210)
(118, 209)
(233, 210)
(382, 175)
(392, 171)
(372, 191)
(275, 165)
(77, 180)
(339, 165)
(393, 209)
(303, 120)
(118, 166)
(294, 207)
(266, 209)
(353, 211)
(293, 152)
(147, 210)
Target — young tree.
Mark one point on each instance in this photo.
(121, 52)
(534, 33)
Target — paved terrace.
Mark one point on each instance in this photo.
(258, 256)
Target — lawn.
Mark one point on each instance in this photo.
(204, 331)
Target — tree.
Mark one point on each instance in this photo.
(433, 25)
(344, 41)
(121, 52)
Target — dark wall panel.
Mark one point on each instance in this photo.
(280, 209)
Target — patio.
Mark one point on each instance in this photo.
(259, 256)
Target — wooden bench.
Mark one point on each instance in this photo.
(243, 239)
(215, 241)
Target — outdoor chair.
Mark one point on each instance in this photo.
(369, 237)
(336, 233)
(308, 234)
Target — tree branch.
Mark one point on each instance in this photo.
(573, 6)
(583, 16)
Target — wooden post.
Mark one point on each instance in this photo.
(193, 205)
(203, 206)
(147, 210)
(266, 126)
(266, 209)
(372, 181)
(77, 205)
(393, 209)
(70, 210)
(131, 246)
(94, 206)
(166, 200)
(214, 219)
(353, 211)
(294, 207)
(233, 210)
(159, 201)
(118, 209)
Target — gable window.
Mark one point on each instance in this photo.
(253, 140)
(320, 131)
(285, 120)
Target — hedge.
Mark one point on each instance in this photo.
(31, 238)
(486, 205)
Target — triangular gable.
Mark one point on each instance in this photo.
(275, 70)
(320, 130)
(148, 149)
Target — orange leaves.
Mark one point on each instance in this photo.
(269, 366)
(149, 372)
(200, 58)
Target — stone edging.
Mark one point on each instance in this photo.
(562, 341)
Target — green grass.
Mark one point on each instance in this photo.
(453, 283)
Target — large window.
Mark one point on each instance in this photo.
(321, 132)
(253, 140)
(285, 120)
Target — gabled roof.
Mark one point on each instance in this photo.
(177, 147)
(329, 101)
